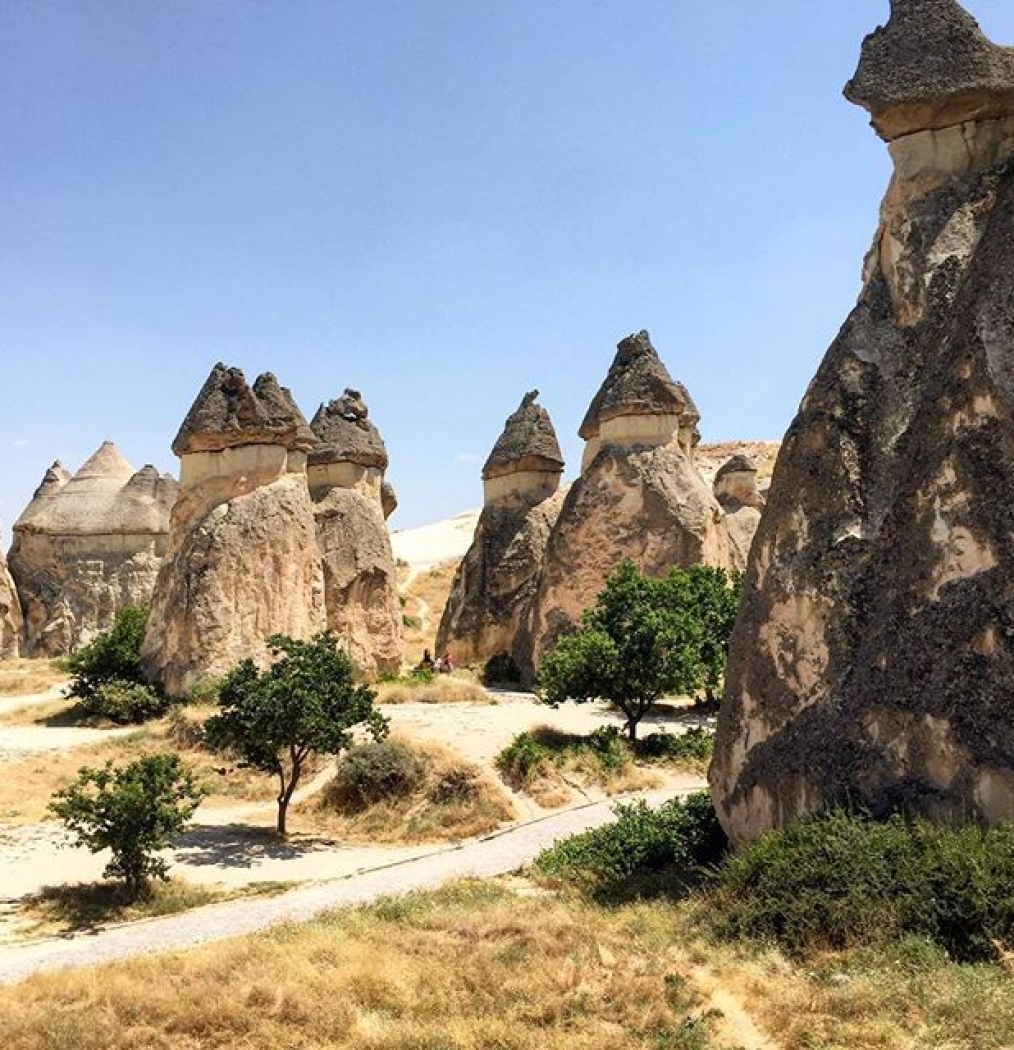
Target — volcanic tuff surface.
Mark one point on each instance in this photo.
(872, 660)
(10, 613)
(87, 545)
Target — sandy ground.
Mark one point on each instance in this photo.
(233, 846)
(430, 545)
(16, 703)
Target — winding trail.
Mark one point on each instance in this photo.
(493, 855)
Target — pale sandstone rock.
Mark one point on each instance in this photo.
(86, 546)
(360, 579)
(872, 659)
(242, 561)
(736, 491)
(11, 621)
(488, 609)
(639, 496)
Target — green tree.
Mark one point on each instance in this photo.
(305, 703)
(644, 638)
(131, 811)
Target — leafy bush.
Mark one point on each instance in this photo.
(124, 702)
(205, 690)
(671, 847)
(694, 745)
(369, 773)
(500, 669)
(131, 811)
(113, 655)
(522, 758)
(842, 880)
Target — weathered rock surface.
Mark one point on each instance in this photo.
(86, 546)
(242, 561)
(348, 490)
(639, 496)
(11, 620)
(872, 660)
(736, 491)
(489, 607)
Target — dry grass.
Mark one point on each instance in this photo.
(425, 598)
(29, 783)
(443, 689)
(19, 677)
(455, 800)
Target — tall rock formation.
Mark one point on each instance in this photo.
(736, 491)
(489, 607)
(351, 500)
(242, 562)
(872, 659)
(638, 496)
(87, 545)
(11, 621)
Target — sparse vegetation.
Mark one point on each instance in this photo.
(428, 688)
(305, 704)
(21, 677)
(393, 793)
(643, 639)
(132, 811)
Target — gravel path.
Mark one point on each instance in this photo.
(495, 855)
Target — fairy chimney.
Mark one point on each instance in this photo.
(525, 464)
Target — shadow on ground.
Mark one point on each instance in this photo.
(240, 846)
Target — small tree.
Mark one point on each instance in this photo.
(132, 811)
(306, 703)
(643, 639)
(113, 655)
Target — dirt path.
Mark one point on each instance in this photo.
(480, 858)
(735, 1026)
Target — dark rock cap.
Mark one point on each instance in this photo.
(637, 384)
(528, 442)
(736, 465)
(931, 66)
(346, 435)
(228, 413)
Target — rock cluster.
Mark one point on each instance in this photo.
(490, 601)
(242, 561)
(87, 545)
(872, 660)
(351, 501)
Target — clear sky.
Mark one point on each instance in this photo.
(443, 203)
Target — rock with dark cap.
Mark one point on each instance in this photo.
(87, 545)
(528, 442)
(229, 413)
(736, 491)
(931, 67)
(872, 662)
(242, 561)
(345, 434)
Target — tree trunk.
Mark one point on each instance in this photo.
(284, 798)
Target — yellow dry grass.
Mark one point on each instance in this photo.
(18, 677)
(425, 597)
(443, 689)
(455, 800)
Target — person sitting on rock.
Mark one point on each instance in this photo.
(445, 664)
(426, 663)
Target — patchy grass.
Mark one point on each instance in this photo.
(24, 677)
(424, 600)
(450, 799)
(439, 689)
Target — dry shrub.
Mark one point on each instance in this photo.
(440, 689)
(439, 797)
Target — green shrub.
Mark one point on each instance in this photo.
(522, 758)
(205, 690)
(841, 880)
(500, 669)
(671, 847)
(370, 773)
(124, 702)
(695, 745)
(113, 655)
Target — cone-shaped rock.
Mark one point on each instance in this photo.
(639, 496)
(87, 545)
(489, 606)
(872, 659)
(360, 579)
(242, 562)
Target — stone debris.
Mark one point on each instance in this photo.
(872, 661)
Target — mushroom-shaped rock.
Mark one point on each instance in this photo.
(639, 403)
(87, 545)
(526, 462)
(872, 659)
(489, 606)
(639, 497)
(931, 67)
(736, 491)
(243, 503)
(345, 473)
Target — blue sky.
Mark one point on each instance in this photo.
(443, 203)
